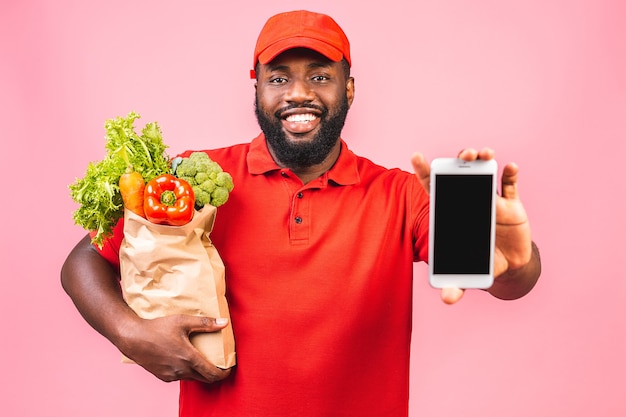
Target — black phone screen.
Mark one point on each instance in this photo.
(463, 205)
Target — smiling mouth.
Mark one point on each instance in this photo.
(301, 118)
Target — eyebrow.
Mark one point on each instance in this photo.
(312, 65)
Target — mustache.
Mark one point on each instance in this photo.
(320, 109)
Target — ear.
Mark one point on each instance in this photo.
(350, 90)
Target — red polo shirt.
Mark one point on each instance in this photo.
(319, 284)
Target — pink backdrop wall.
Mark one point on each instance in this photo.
(542, 82)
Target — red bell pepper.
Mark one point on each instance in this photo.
(169, 200)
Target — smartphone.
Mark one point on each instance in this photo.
(462, 223)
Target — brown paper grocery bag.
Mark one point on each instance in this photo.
(169, 270)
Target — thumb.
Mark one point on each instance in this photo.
(451, 295)
(509, 181)
(422, 170)
(200, 324)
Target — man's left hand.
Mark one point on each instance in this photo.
(514, 247)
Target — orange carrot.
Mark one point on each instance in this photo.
(132, 187)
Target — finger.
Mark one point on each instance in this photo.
(509, 181)
(204, 371)
(451, 295)
(468, 154)
(486, 154)
(422, 170)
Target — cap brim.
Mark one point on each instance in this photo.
(281, 46)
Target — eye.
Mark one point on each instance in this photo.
(320, 78)
(278, 80)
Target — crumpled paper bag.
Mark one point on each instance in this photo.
(168, 270)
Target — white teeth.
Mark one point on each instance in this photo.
(301, 118)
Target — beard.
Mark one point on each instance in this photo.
(305, 154)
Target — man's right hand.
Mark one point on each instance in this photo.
(162, 346)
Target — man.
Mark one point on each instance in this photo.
(318, 245)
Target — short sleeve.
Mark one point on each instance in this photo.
(111, 247)
(420, 201)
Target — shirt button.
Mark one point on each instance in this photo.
(283, 173)
(298, 220)
(299, 195)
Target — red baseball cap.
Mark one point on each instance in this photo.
(301, 29)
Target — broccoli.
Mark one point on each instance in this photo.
(211, 185)
(201, 177)
(186, 169)
(219, 196)
(202, 197)
(223, 179)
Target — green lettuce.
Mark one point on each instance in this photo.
(97, 192)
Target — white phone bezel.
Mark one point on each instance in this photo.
(458, 166)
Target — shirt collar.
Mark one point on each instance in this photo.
(344, 172)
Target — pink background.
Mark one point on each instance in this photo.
(542, 82)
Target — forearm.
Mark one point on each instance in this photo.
(93, 285)
(514, 284)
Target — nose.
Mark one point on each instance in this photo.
(299, 91)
